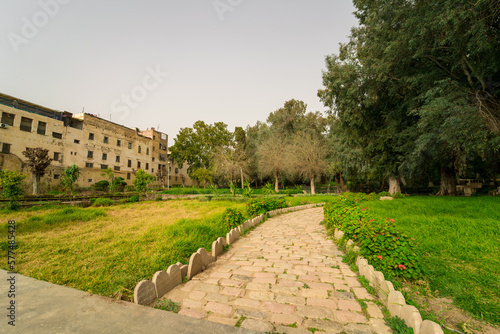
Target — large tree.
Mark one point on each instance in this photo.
(195, 146)
(38, 161)
(271, 157)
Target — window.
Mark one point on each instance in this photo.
(8, 118)
(118, 142)
(6, 148)
(41, 128)
(57, 135)
(117, 168)
(152, 170)
(128, 176)
(147, 166)
(56, 176)
(104, 156)
(76, 141)
(176, 178)
(147, 150)
(153, 158)
(104, 166)
(138, 164)
(153, 148)
(106, 140)
(129, 163)
(129, 144)
(89, 165)
(176, 170)
(89, 180)
(169, 168)
(90, 154)
(56, 156)
(91, 136)
(139, 150)
(26, 124)
(117, 158)
(163, 157)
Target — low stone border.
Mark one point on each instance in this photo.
(392, 299)
(146, 291)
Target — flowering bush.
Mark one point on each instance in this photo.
(232, 218)
(386, 248)
(261, 205)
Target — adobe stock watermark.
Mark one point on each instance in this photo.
(224, 6)
(30, 28)
(126, 102)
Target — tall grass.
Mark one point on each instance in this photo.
(458, 244)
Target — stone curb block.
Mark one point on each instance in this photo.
(392, 299)
(146, 292)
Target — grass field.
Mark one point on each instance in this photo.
(458, 245)
(107, 251)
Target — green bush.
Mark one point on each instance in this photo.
(101, 185)
(260, 205)
(386, 248)
(232, 218)
(133, 199)
(398, 195)
(103, 202)
(384, 193)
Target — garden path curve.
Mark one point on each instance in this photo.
(284, 276)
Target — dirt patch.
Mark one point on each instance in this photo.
(453, 317)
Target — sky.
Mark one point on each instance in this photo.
(168, 63)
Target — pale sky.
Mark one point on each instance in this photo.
(170, 63)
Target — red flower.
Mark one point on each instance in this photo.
(362, 209)
(379, 257)
(391, 220)
(401, 266)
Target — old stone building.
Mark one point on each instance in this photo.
(90, 142)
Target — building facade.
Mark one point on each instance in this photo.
(90, 142)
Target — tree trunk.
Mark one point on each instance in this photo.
(342, 183)
(242, 180)
(337, 184)
(276, 184)
(448, 185)
(313, 190)
(394, 185)
(36, 185)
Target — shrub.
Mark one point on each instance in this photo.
(398, 195)
(101, 185)
(118, 184)
(232, 218)
(262, 205)
(133, 199)
(384, 193)
(142, 179)
(103, 202)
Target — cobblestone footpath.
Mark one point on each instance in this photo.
(285, 276)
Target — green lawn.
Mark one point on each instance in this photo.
(108, 250)
(458, 245)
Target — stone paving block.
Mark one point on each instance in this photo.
(193, 313)
(257, 286)
(327, 325)
(231, 282)
(308, 278)
(287, 276)
(264, 275)
(244, 278)
(374, 311)
(209, 288)
(222, 320)
(288, 299)
(290, 283)
(314, 293)
(217, 297)
(379, 326)
(197, 295)
(263, 280)
(189, 303)
(343, 287)
(250, 314)
(260, 295)
(362, 293)
(290, 330)
(351, 305)
(251, 268)
(350, 317)
(189, 286)
(322, 302)
(323, 286)
(315, 312)
(358, 329)
(244, 302)
(218, 274)
(257, 325)
(278, 307)
(219, 308)
(289, 290)
(286, 319)
(144, 292)
(235, 292)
